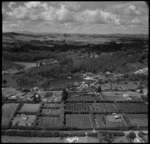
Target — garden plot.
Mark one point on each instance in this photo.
(77, 107)
(138, 119)
(23, 120)
(8, 111)
(49, 122)
(106, 121)
(79, 120)
(132, 107)
(51, 112)
(6, 92)
(30, 108)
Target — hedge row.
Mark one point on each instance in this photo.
(43, 133)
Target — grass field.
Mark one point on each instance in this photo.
(138, 119)
(33, 108)
(18, 139)
(8, 111)
(132, 107)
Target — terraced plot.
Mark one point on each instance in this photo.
(30, 108)
(79, 120)
(49, 122)
(8, 111)
(132, 107)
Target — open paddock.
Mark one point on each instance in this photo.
(30, 108)
(8, 111)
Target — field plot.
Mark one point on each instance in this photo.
(77, 107)
(23, 120)
(132, 107)
(49, 122)
(138, 119)
(79, 120)
(110, 107)
(81, 98)
(8, 111)
(51, 112)
(52, 105)
(30, 108)
(97, 107)
(106, 121)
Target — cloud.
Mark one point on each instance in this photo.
(132, 10)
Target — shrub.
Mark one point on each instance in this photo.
(56, 134)
(132, 135)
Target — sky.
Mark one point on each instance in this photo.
(125, 17)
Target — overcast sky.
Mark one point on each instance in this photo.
(76, 17)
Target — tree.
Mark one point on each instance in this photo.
(99, 90)
(5, 81)
(64, 95)
(132, 135)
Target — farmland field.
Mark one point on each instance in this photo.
(8, 110)
(138, 119)
(132, 107)
(55, 112)
(33, 108)
(79, 120)
(49, 122)
(23, 120)
(77, 107)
